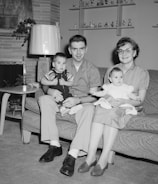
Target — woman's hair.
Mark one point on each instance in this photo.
(77, 38)
(123, 41)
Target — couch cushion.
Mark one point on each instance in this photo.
(32, 105)
(151, 100)
(102, 72)
(143, 122)
(31, 121)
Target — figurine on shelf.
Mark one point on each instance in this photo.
(125, 2)
(92, 3)
(112, 2)
(129, 23)
(86, 4)
(105, 1)
(91, 25)
(81, 4)
(74, 5)
(131, 1)
(75, 26)
(99, 25)
(106, 25)
(112, 24)
(123, 23)
(101, 2)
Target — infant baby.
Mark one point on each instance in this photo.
(117, 90)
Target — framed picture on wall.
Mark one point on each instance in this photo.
(12, 12)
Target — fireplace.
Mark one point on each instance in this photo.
(11, 74)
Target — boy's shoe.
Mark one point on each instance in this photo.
(76, 108)
(64, 110)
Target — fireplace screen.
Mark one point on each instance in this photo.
(11, 75)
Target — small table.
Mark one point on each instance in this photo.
(19, 90)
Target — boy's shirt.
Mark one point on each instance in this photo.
(52, 74)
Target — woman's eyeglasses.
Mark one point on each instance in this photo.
(126, 51)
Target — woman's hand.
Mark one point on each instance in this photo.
(115, 102)
(70, 102)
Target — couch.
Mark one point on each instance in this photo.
(138, 139)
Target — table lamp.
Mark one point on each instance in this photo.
(44, 41)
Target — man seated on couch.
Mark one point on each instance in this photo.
(86, 81)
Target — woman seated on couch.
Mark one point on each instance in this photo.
(107, 122)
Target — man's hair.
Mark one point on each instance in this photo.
(77, 38)
(115, 69)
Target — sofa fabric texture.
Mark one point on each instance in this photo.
(138, 139)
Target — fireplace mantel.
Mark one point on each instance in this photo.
(11, 61)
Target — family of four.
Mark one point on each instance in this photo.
(73, 92)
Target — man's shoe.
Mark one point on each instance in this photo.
(84, 167)
(68, 166)
(52, 152)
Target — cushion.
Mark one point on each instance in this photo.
(102, 72)
(32, 105)
(143, 122)
(151, 100)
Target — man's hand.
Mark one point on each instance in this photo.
(70, 102)
(56, 94)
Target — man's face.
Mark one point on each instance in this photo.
(78, 50)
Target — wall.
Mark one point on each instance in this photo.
(101, 42)
(44, 12)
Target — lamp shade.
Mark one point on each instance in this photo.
(44, 40)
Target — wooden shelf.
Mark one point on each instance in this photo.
(16, 115)
(103, 6)
(156, 26)
(80, 28)
(101, 28)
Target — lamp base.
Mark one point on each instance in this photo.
(43, 67)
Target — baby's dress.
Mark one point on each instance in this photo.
(117, 92)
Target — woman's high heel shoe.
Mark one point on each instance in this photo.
(97, 171)
(84, 167)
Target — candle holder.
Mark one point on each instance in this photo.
(24, 74)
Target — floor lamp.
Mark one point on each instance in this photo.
(44, 42)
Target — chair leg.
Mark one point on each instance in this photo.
(26, 136)
(111, 157)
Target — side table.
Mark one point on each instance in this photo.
(19, 90)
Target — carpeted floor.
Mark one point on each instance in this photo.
(19, 165)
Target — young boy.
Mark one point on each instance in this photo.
(116, 89)
(59, 79)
